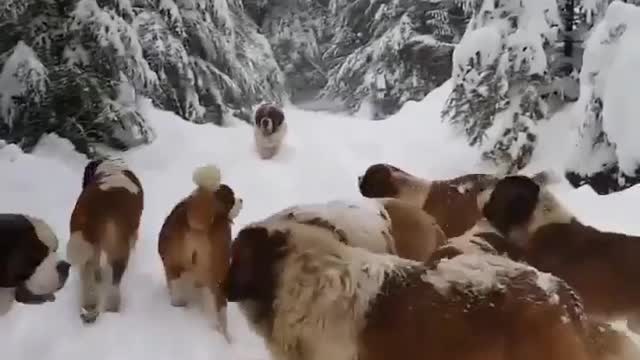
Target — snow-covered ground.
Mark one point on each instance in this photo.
(321, 161)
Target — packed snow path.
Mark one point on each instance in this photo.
(322, 158)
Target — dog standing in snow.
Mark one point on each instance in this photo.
(269, 130)
(452, 202)
(602, 266)
(194, 244)
(311, 297)
(103, 232)
(31, 270)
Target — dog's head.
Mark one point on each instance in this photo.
(226, 203)
(30, 261)
(268, 118)
(511, 203)
(382, 180)
(256, 257)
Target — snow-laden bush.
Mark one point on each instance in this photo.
(500, 75)
(607, 155)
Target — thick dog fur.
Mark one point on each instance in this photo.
(452, 202)
(269, 130)
(31, 271)
(103, 231)
(383, 226)
(311, 297)
(602, 266)
(194, 244)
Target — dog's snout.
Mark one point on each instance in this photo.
(360, 180)
(63, 268)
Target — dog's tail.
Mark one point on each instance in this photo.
(207, 177)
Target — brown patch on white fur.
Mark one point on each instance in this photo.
(383, 226)
(103, 231)
(194, 244)
(269, 130)
(311, 297)
(452, 202)
(602, 266)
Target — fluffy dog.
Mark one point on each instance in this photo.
(311, 297)
(269, 130)
(452, 202)
(383, 226)
(103, 231)
(30, 269)
(194, 244)
(602, 266)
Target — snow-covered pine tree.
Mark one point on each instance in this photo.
(607, 154)
(299, 32)
(500, 76)
(389, 52)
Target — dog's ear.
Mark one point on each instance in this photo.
(90, 172)
(511, 203)
(255, 254)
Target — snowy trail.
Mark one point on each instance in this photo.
(321, 161)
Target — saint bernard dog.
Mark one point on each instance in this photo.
(604, 341)
(269, 130)
(194, 244)
(311, 297)
(602, 266)
(383, 226)
(103, 231)
(31, 271)
(452, 202)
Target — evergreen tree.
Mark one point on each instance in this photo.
(389, 52)
(501, 78)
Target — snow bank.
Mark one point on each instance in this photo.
(609, 94)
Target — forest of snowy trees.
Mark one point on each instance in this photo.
(79, 68)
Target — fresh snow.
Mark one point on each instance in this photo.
(322, 158)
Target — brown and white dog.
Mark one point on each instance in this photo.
(603, 340)
(452, 202)
(194, 244)
(383, 226)
(269, 130)
(103, 232)
(311, 297)
(602, 266)
(31, 271)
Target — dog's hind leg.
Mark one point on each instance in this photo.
(113, 297)
(90, 278)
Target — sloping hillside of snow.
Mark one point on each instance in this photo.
(322, 158)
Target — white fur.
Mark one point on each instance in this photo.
(7, 297)
(268, 146)
(207, 177)
(412, 189)
(79, 250)
(44, 232)
(235, 210)
(45, 280)
(111, 166)
(324, 292)
(118, 180)
(365, 223)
